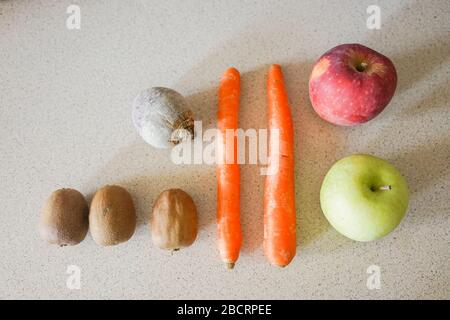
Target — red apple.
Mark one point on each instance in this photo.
(351, 84)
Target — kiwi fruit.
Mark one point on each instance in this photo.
(64, 218)
(112, 217)
(174, 220)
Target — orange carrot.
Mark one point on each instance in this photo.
(279, 194)
(228, 213)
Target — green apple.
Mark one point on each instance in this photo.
(364, 197)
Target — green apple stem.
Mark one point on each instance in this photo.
(385, 187)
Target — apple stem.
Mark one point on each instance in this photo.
(361, 67)
(385, 187)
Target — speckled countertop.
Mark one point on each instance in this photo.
(65, 99)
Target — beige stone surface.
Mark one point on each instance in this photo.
(65, 121)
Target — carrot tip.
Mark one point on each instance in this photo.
(230, 265)
(231, 73)
(232, 70)
(280, 265)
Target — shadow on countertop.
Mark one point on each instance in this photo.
(424, 165)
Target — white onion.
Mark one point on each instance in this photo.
(162, 117)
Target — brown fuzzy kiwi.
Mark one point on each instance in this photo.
(174, 220)
(64, 218)
(112, 217)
